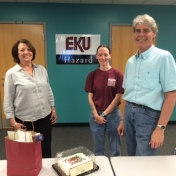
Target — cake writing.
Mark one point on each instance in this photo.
(74, 160)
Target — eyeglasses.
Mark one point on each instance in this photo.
(144, 31)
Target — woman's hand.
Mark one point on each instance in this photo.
(19, 126)
(53, 117)
(100, 120)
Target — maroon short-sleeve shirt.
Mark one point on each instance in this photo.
(104, 85)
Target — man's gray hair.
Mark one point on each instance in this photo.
(146, 20)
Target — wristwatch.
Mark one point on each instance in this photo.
(103, 115)
(163, 127)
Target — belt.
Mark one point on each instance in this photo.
(137, 105)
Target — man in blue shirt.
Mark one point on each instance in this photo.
(150, 91)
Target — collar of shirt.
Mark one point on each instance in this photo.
(145, 54)
(18, 68)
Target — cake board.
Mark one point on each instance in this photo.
(61, 173)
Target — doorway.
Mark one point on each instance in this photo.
(9, 34)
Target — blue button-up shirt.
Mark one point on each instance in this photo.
(148, 76)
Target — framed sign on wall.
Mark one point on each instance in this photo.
(76, 49)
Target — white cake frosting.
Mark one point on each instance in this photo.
(75, 164)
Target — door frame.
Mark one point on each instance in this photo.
(110, 44)
(110, 34)
(45, 51)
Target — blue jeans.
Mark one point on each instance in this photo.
(98, 132)
(140, 122)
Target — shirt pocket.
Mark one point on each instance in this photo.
(150, 80)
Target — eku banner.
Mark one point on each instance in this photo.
(76, 49)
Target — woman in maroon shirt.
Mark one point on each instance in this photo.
(104, 87)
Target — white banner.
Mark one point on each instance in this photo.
(77, 44)
(76, 49)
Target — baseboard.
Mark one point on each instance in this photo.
(172, 122)
(70, 124)
(84, 124)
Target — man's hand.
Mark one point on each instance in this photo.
(120, 129)
(157, 138)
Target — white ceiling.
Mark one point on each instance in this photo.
(134, 2)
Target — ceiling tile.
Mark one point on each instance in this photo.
(128, 1)
(65, 1)
(142, 2)
(160, 2)
(31, 1)
(7, 0)
(97, 1)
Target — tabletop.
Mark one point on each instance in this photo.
(47, 170)
(144, 165)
